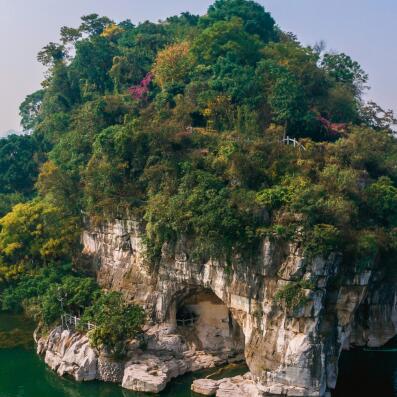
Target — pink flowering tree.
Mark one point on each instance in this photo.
(139, 92)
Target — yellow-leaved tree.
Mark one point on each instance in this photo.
(111, 31)
(173, 65)
(34, 234)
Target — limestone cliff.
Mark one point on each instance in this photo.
(289, 351)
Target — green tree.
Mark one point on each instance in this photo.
(93, 62)
(47, 293)
(33, 234)
(256, 20)
(173, 65)
(130, 68)
(372, 115)
(227, 39)
(285, 97)
(93, 24)
(115, 322)
(20, 158)
(382, 201)
(71, 295)
(30, 110)
(51, 54)
(343, 69)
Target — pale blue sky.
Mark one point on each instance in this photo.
(365, 29)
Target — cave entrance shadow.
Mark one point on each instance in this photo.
(206, 323)
(368, 372)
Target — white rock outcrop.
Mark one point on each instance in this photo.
(238, 386)
(69, 353)
(166, 357)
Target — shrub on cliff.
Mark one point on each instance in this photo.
(293, 294)
(47, 294)
(115, 322)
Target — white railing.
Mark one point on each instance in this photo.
(71, 322)
(294, 142)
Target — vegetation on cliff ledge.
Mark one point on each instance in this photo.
(181, 123)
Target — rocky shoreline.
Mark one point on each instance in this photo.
(237, 386)
(165, 357)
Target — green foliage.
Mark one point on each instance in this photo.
(286, 100)
(19, 164)
(282, 194)
(32, 234)
(50, 292)
(30, 110)
(236, 81)
(199, 157)
(92, 63)
(227, 39)
(72, 295)
(322, 240)
(296, 88)
(115, 322)
(382, 199)
(31, 285)
(367, 248)
(274, 197)
(255, 19)
(293, 294)
(114, 170)
(51, 54)
(203, 211)
(7, 201)
(343, 69)
(93, 24)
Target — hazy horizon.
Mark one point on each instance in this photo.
(362, 29)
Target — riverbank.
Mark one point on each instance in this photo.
(24, 374)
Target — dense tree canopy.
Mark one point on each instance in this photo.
(181, 124)
(255, 19)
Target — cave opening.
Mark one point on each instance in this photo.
(368, 372)
(207, 324)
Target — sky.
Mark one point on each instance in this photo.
(364, 29)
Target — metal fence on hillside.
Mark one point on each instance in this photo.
(71, 322)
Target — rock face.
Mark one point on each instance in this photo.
(150, 373)
(69, 353)
(165, 357)
(239, 386)
(290, 352)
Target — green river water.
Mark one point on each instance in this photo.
(24, 374)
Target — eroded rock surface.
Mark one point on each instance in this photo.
(69, 353)
(167, 355)
(289, 351)
(238, 386)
